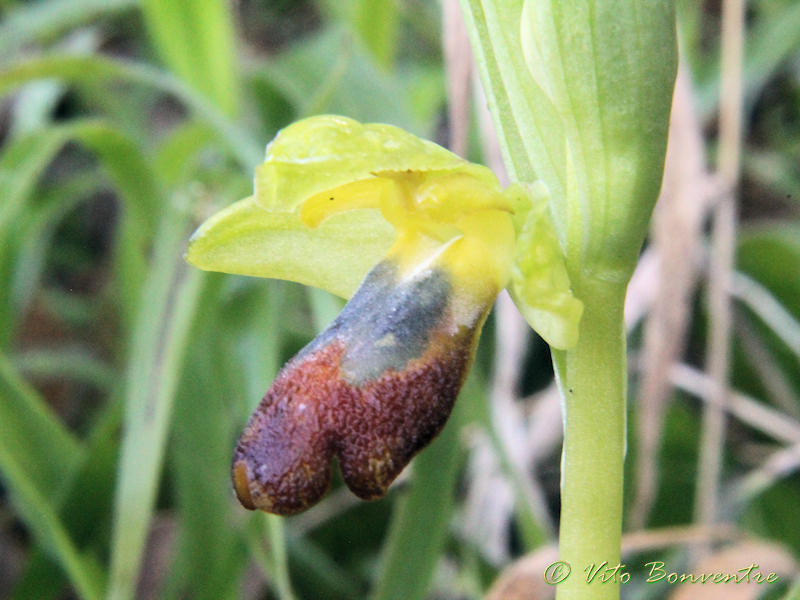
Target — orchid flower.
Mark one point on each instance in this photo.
(421, 242)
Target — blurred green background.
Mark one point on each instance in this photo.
(126, 376)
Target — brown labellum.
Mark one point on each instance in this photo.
(371, 390)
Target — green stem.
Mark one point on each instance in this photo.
(592, 382)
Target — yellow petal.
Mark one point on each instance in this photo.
(247, 240)
(324, 152)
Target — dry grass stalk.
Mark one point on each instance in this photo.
(769, 309)
(757, 415)
(676, 232)
(778, 465)
(458, 70)
(643, 287)
(763, 360)
(769, 558)
(721, 264)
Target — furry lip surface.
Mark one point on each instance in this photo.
(371, 390)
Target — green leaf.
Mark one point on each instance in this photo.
(66, 364)
(141, 197)
(174, 161)
(605, 67)
(771, 43)
(128, 168)
(22, 164)
(41, 579)
(84, 516)
(248, 240)
(210, 550)
(377, 23)
(34, 22)
(34, 106)
(37, 456)
(768, 289)
(767, 253)
(32, 236)
(320, 572)
(273, 562)
(197, 41)
(41, 446)
(84, 571)
(794, 591)
(769, 46)
(338, 77)
(167, 306)
(93, 69)
(531, 132)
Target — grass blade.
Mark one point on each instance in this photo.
(210, 550)
(84, 516)
(338, 77)
(84, 572)
(32, 238)
(93, 69)
(770, 45)
(258, 354)
(36, 457)
(321, 571)
(419, 524)
(24, 161)
(21, 164)
(271, 557)
(168, 303)
(35, 22)
(196, 40)
(32, 435)
(377, 22)
(66, 363)
(141, 197)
